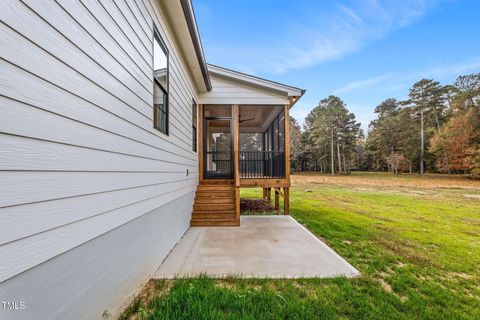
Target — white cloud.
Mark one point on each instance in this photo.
(395, 81)
(362, 83)
(315, 37)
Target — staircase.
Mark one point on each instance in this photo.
(214, 204)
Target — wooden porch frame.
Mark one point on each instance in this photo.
(236, 170)
(265, 184)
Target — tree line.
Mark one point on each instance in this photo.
(436, 129)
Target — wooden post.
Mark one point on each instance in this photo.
(235, 118)
(236, 172)
(286, 190)
(269, 195)
(264, 196)
(237, 203)
(277, 201)
(200, 142)
(286, 201)
(287, 142)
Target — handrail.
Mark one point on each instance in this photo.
(261, 164)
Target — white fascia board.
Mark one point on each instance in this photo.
(256, 81)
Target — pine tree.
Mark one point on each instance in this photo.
(426, 101)
(331, 129)
(296, 145)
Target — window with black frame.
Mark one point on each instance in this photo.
(160, 84)
(194, 126)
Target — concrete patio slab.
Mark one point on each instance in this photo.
(262, 247)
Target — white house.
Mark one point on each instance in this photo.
(99, 162)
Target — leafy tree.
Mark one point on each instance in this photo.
(396, 162)
(460, 137)
(407, 127)
(455, 138)
(331, 129)
(467, 91)
(296, 145)
(384, 135)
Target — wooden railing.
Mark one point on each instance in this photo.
(261, 164)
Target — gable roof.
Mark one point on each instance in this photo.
(192, 46)
(256, 81)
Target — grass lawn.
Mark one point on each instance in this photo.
(416, 241)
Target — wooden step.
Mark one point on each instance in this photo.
(213, 207)
(215, 200)
(214, 223)
(217, 182)
(215, 204)
(215, 187)
(215, 194)
(213, 215)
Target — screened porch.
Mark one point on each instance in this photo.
(261, 146)
(259, 131)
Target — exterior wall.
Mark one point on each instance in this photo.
(97, 276)
(225, 92)
(78, 153)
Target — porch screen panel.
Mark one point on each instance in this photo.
(275, 134)
(262, 159)
(281, 132)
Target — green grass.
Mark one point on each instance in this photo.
(417, 247)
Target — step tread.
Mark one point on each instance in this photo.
(212, 214)
(214, 220)
(216, 215)
(218, 192)
(215, 205)
(215, 186)
(215, 223)
(207, 200)
(213, 208)
(216, 211)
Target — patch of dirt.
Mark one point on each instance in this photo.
(461, 275)
(423, 277)
(409, 250)
(382, 180)
(255, 205)
(386, 286)
(225, 284)
(472, 196)
(154, 288)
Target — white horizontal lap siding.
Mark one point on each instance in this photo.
(224, 92)
(78, 152)
(95, 42)
(26, 187)
(65, 211)
(26, 253)
(18, 84)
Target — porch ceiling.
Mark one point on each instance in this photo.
(253, 118)
(262, 247)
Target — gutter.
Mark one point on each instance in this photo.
(197, 44)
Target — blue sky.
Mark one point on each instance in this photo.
(361, 50)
